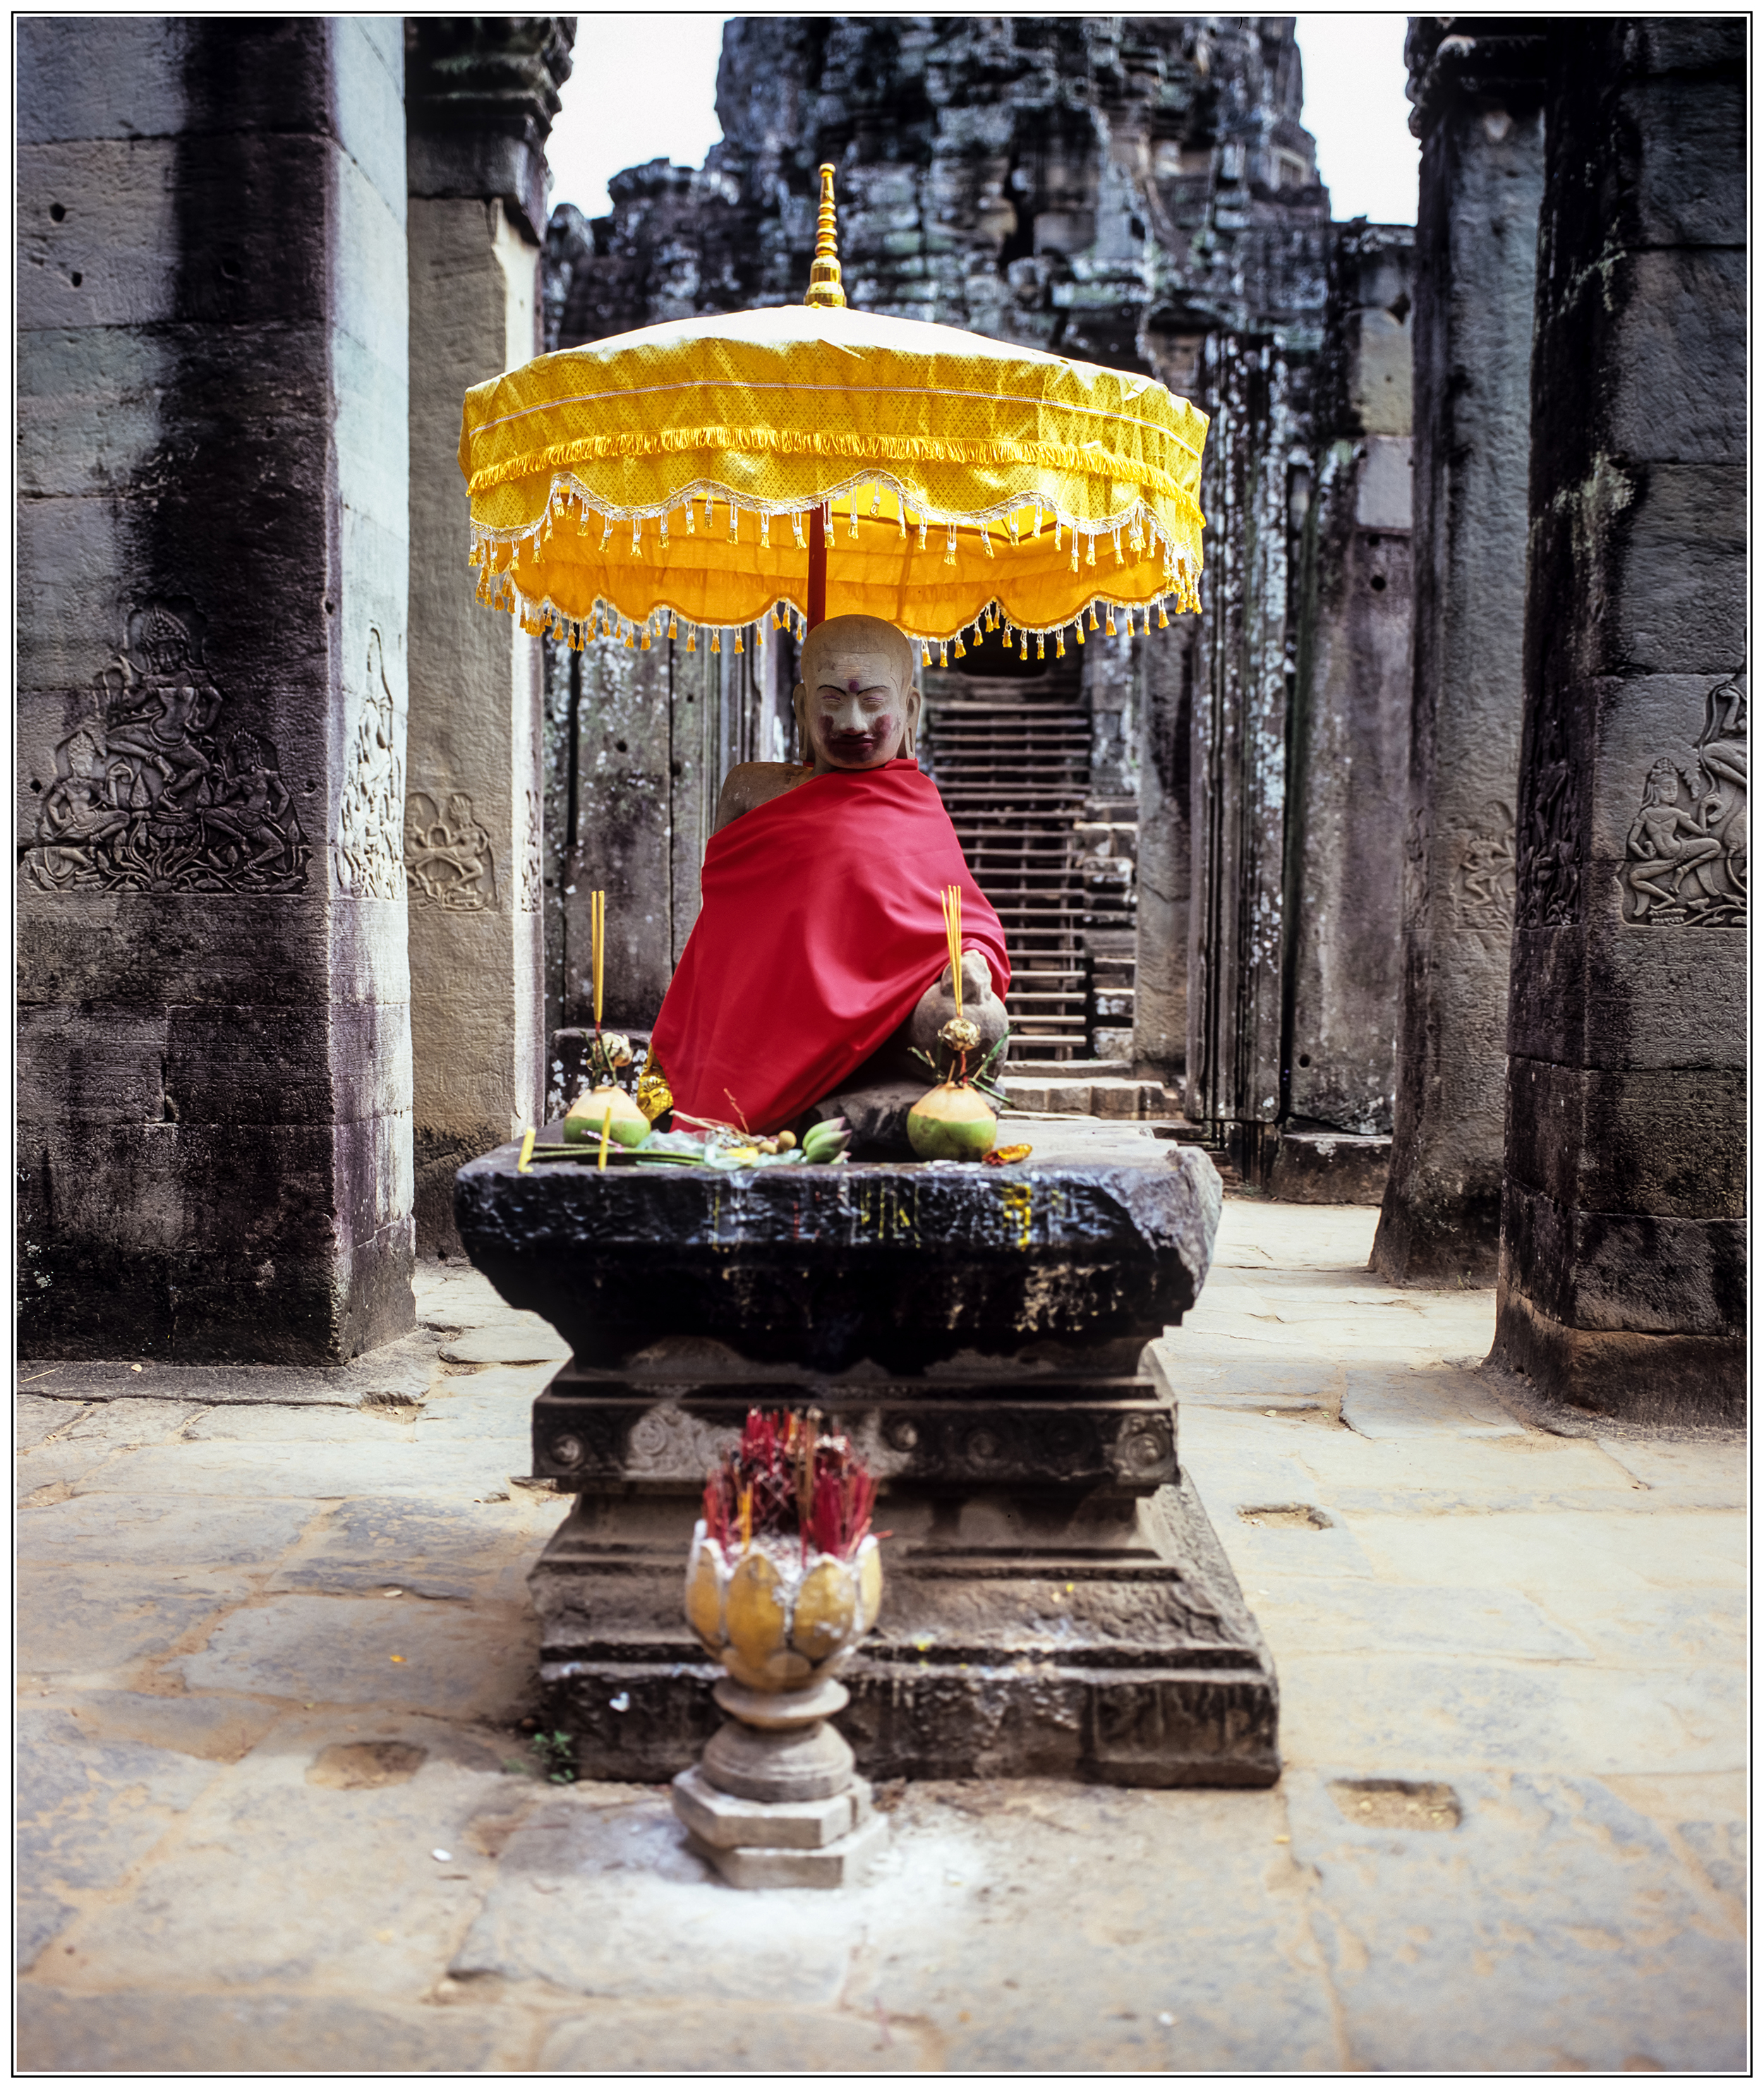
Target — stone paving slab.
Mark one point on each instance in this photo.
(365, 1650)
(155, 2031)
(1551, 1894)
(164, 1531)
(757, 2039)
(93, 1625)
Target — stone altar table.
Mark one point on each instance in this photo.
(1058, 1603)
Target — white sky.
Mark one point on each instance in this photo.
(645, 86)
(1357, 111)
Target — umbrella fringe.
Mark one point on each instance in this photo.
(544, 619)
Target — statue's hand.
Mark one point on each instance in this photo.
(979, 1004)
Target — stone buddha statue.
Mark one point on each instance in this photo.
(818, 963)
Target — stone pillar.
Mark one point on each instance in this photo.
(1239, 778)
(1166, 668)
(214, 1083)
(1478, 96)
(481, 91)
(1623, 1255)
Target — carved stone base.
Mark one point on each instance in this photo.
(1024, 1632)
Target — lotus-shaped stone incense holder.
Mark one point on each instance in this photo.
(782, 1582)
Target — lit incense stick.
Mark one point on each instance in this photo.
(524, 1165)
(598, 930)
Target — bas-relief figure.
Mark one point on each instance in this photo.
(146, 799)
(1487, 867)
(447, 857)
(1686, 848)
(368, 851)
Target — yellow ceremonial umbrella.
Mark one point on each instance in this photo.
(811, 460)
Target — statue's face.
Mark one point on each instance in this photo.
(856, 699)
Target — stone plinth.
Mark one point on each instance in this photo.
(1622, 1275)
(1056, 1601)
(214, 1042)
(905, 1266)
(1478, 116)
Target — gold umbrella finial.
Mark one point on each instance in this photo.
(824, 277)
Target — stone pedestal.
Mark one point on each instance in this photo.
(775, 1801)
(1478, 88)
(481, 93)
(1056, 1601)
(1623, 1255)
(214, 1048)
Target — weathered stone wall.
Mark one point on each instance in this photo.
(480, 94)
(1623, 1255)
(214, 1068)
(1477, 93)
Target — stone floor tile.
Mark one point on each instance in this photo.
(1655, 1627)
(534, 1341)
(1613, 1550)
(214, 1729)
(1698, 1474)
(35, 1416)
(91, 1627)
(279, 1880)
(166, 1532)
(607, 1900)
(1554, 1930)
(1259, 1552)
(442, 1657)
(309, 1424)
(389, 1463)
(1452, 1715)
(1326, 1617)
(1454, 1403)
(162, 2031)
(728, 2039)
(1254, 1235)
(436, 1550)
(1061, 1929)
(87, 1810)
(1506, 1465)
(128, 1424)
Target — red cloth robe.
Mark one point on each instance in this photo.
(820, 930)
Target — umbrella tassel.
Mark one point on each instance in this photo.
(1059, 645)
(716, 641)
(900, 515)
(1163, 617)
(765, 533)
(692, 638)
(739, 646)
(796, 523)
(1078, 625)
(851, 533)
(709, 509)
(691, 525)
(961, 651)
(734, 523)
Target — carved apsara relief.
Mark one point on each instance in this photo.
(1548, 880)
(148, 797)
(532, 863)
(1686, 850)
(368, 851)
(447, 856)
(1486, 875)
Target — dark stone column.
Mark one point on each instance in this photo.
(1350, 731)
(214, 1071)
(481, 91)
(1477, 94)
(1623, 1258)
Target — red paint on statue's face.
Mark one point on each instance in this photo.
(856, 711)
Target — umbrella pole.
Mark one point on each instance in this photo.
(817, 566)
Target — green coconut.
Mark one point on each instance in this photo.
(951, 1123)
(594, 1108)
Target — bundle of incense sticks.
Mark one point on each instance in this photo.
(786, 1479)
(596, 916)
(951, 898)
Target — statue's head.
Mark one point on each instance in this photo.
(856, 705)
